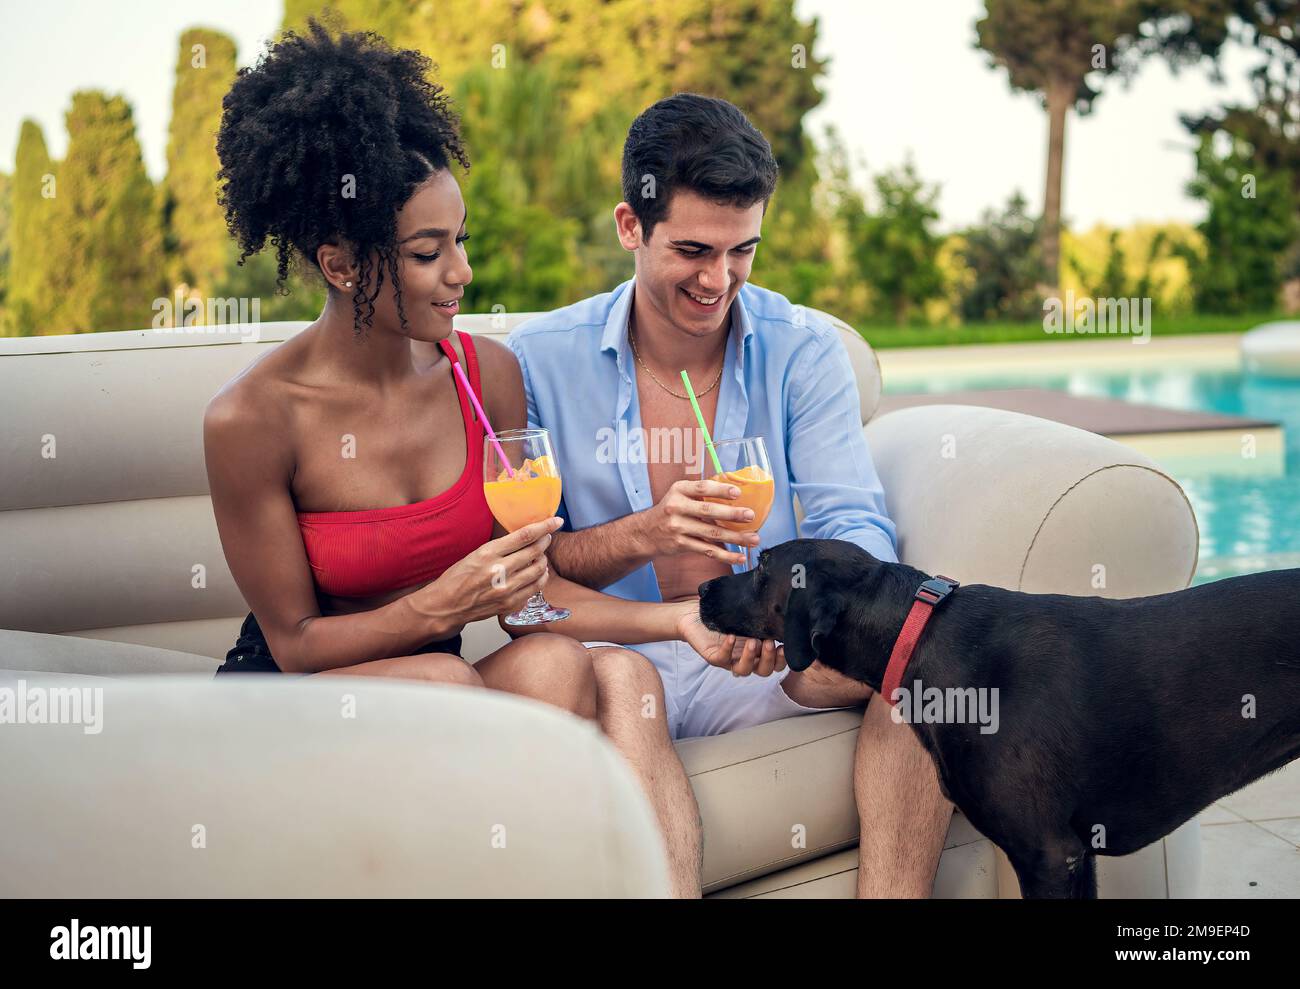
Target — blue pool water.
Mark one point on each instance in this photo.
(1247, 523)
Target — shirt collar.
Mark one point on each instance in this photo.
(740, 317)
(614, 338)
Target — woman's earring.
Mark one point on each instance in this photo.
(347, 284)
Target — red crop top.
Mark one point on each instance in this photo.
(374, 551)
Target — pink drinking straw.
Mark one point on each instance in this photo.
(460, 371)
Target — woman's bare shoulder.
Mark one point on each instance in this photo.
(503, 383)
(259, 394)
(495, 356)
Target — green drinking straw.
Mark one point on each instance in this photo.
(708, 440)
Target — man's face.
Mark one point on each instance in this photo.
(695, 261)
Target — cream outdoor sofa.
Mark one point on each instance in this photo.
(415, 795)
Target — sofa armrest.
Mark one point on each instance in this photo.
(321, 786)
(1016, 501)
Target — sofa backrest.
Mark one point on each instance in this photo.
(106, 527)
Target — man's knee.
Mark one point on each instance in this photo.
(625, 670)
(628, 681)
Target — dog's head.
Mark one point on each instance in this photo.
(797, 593)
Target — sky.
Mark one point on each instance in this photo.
(905, 80)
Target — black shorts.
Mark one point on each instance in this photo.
(251, 654)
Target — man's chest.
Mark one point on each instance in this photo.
(671, 435)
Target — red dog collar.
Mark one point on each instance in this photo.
(928, 596)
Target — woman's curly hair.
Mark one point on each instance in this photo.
(314, 110)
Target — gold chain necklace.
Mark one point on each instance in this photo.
(631, 335)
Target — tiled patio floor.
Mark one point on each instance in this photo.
(1250, 841)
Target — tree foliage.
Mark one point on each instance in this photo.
(1064, 49)
(1002, 252)
(197, 245)
(6, 218)
(546, 108)
(547, 89)
(894, 244)
(1250, 224)
(28, 298)
(104, 236)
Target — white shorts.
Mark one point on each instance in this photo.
(708, 700)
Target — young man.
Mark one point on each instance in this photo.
(604, 377)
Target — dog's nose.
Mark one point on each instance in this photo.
(704, 588)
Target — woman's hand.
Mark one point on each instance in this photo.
(497, 578)
(736, 653)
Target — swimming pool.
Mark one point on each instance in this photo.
(1248, 523)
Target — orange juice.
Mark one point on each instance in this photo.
(532, 495)
(756, 491)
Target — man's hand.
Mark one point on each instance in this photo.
(736, 653)
(683, 522)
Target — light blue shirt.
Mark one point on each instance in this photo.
(786, 377)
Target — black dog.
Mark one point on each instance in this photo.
(1120, 719)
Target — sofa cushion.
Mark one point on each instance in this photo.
(968, 870)
(69, 654)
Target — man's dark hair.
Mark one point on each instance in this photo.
(699, 143)
(314, 109)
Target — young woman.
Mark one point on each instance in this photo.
(346, 464)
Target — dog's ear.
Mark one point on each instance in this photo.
(810, 616)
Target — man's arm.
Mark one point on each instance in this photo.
(832, 472)
(681, 523)
(835, 481)
(599, 555)
(602, 616)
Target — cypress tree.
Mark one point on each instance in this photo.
(6, 216)
(194, 227)
(29, 298)
(106, 234)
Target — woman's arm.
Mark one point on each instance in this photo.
(597, 616)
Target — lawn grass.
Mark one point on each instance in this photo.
(885, 335)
